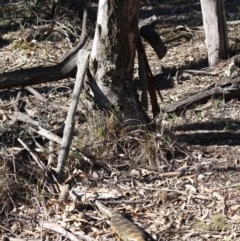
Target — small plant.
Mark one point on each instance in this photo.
(226, 128)
(219, 222)
(216, 102)
(175, 118)
(101, 130)
(199, 114)
(202, 226)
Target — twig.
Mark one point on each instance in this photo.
(9, 230)
(17, 103)
(42, 98)
(14, 168)
(128, 201)
(49, 135)
(57, 228)
(170, 174)
(233, 22)
(19, 239)
(192, 71)
(50, 157)
(27, 119)
(34, 157)
(230, 186)
(179, 192)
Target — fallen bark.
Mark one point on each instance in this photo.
(226, 88)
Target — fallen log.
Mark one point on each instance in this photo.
(226, 88)
(67, 66)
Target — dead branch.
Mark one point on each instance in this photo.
(43, 99)
(142, 72)
(49, 135)
(42, 74)
(148, 32)
(82, 63)
(182, 34)
(27, 119)
(200, 72)
(67, 64)
(233, 22)
(40, 164)
(226, 88)
(57, 228)
(199, 196)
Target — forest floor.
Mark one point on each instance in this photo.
(177, 179)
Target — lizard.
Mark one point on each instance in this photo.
(125, 229)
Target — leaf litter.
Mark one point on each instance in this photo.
(179, 180)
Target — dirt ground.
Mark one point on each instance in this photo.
(177, 179)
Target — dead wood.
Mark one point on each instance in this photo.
(38, 161)
(19, 116)
(148, 32)
(182, 34)
(67, 66)
(18, 98)
(49, 135)
(82, 63)
(199, 72)
(226, 88)
(57, 228)
(151, 89)
(43, 99)
(233, 22)
(142, 72)
(42, 74)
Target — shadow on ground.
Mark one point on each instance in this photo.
(229, 134)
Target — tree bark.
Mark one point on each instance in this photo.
(112, 58)
(215, 27)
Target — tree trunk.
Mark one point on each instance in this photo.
(214, 22)
(112, 58)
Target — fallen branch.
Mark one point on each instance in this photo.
(199, 196)
(27, 119)
(49, 135)
(67, 64)
(233, 22)
(226, 88)
(42, 74)
(40, 164)
(58, 229)
(43, 99)
(193, 71)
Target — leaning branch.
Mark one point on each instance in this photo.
(82, 63)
